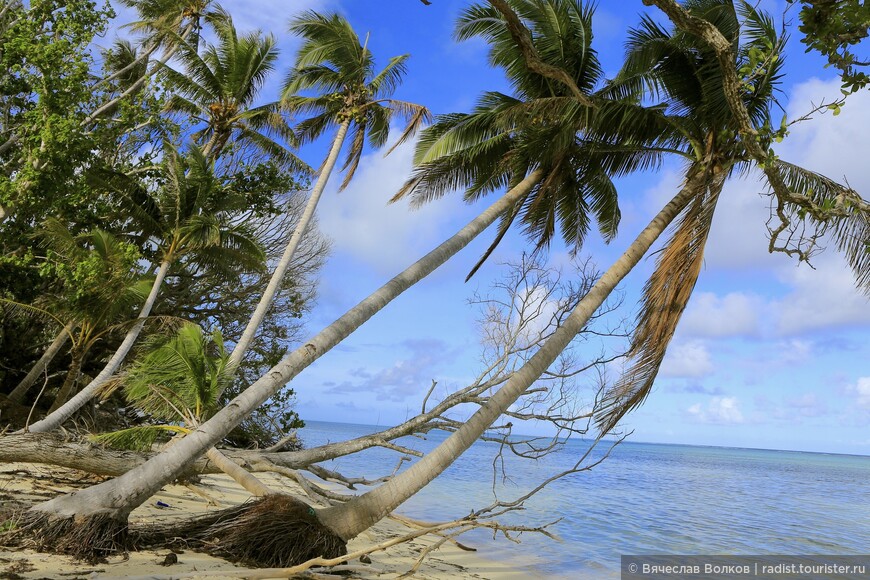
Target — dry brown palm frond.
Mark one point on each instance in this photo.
(417, 115)
(664, 299)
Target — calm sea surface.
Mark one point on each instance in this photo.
(643, 499)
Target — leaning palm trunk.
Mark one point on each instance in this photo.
(57, 417)
(106, 506)
(72, 377)
(20, 391)
(241, 347)
(239, 474)
(352, 518)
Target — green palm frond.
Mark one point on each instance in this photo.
(540, 126)
(31, 311)
(141, 438)
(389, 79)
(851, 232)
(179, 378)
(160, 21)
(333, 64)
(219, 85)
(121, 56)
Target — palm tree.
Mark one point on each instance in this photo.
(351, 95)
(668, 288)
(109, 504)
(100, 283)
(176, 380)
(166, 25)
(218, 88)
(705, 131)
(179, 380)
(191, 217)
(543, 127)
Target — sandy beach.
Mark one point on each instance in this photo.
(38, 482)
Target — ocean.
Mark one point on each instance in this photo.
(643, 499)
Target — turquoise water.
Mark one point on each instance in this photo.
(643, 499)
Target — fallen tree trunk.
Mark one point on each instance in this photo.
(53, 449)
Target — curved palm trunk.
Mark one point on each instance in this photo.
(57, 417)
(72, 377)
(18, 393)
(352, 518)
(116, 498)
(250, 332)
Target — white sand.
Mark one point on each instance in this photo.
(36, 482)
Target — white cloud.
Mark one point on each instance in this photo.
(834, 146)
(824, 297)
(861, 389)
(251, 14)
(688, 359)
(711, 316)
(738, 237)
(720, 410)
(808, 405)
(384, 236)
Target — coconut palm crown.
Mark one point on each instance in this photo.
(218, 88)
(543, 126)
(702, 129)
(341, 71)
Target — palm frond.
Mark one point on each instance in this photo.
(141, 438)
(851, 232)
(665, 297)
(180, 377)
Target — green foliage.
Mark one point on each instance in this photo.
(109, 197)
(178, 379)
(175, 382)
(140, 438)
(835, 28)
(45, 93)
(96, 277)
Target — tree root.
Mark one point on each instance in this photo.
(84, 537)
(275, 531)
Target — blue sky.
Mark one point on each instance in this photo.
(769, 354)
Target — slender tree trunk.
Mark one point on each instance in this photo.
(142, 57)
(52, 449)
(350, 519)
(212, 141)
(72, 377)
(57, 417)
(18, 393)
(116, 498)
(250, 332)
(138, 84)
(238, 473)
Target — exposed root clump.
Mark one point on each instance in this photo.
(84, 537)
(275, 531)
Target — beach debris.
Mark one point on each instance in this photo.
(275, 531)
